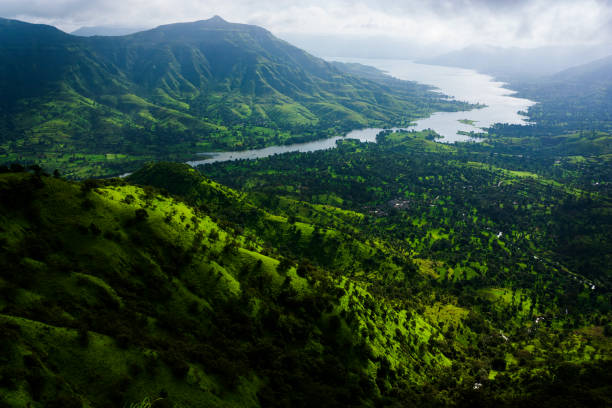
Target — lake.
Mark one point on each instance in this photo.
(363, 135)
(460, 84)
(463, 85)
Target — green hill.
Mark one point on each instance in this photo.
(100, 105)
(576, 99)
(189, 293)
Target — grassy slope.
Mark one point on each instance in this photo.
(454, 210)
(508, 309)
(113, 293)
(101, 306)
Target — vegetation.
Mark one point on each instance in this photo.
(115, 294)
(103, 106)
(401, 273)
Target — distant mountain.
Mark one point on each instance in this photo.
(106, 31)
(177, 89)
(519, 63)
(596, 72)
(579, 98)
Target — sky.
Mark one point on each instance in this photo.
(449, 24)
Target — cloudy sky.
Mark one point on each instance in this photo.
(454, 23)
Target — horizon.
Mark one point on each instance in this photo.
(413, 26)
(374, 49)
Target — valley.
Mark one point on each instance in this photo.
(294, 232)
(111, 104)
(450, 127)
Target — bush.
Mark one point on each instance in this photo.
(17, 168)
(83, 336)
(123, 341)
(88, 185)
(65, 401)
(176, 363)
(141, 214)
(498, 364)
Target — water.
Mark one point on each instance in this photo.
(363, 135)
(460, 84)
(463, 85)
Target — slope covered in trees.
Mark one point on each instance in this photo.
(191, 293)
(100, 105)
(401, 273)
(579, 98)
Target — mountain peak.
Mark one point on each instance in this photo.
(217, 19)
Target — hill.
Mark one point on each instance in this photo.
(173, 289)
(596, 72)
(512, 64)
(577, 99)
(99, 105)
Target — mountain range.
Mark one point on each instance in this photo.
(401, 273)
(178, 89)
(510, 64)
(583, 91)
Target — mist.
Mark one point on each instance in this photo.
(524, 38)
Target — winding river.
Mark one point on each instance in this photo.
(460, 84)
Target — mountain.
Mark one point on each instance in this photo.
(100, 105)
(596, 72)
(579, 98)
(168, 289)
(518, 63)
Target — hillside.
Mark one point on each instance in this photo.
(190, 293)
(513, 64)
(596, 72)
(93, 106)
(577, 99)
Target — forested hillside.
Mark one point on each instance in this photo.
(401, 273)
(578, 98)
(191, 293)
(104, 105)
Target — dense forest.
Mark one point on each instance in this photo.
(401, 273)
(330, 279)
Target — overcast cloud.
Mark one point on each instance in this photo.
(456, 23)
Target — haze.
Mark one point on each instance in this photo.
(414, 26)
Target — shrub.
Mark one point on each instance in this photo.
(141, 214)
(123, 340)
(17, 168)
(65, 401)
(87, 204)
(498, 364)
(89, 185)
(94, 229)
(83, 336)
(176, 363)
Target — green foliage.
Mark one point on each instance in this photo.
(218, 300)
(103, 106)
(403, 273)
(493, 235)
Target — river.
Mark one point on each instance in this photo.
(463, 85)
(460, 84)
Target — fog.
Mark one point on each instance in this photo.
(377, 28)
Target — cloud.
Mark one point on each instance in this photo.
(456, 23)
